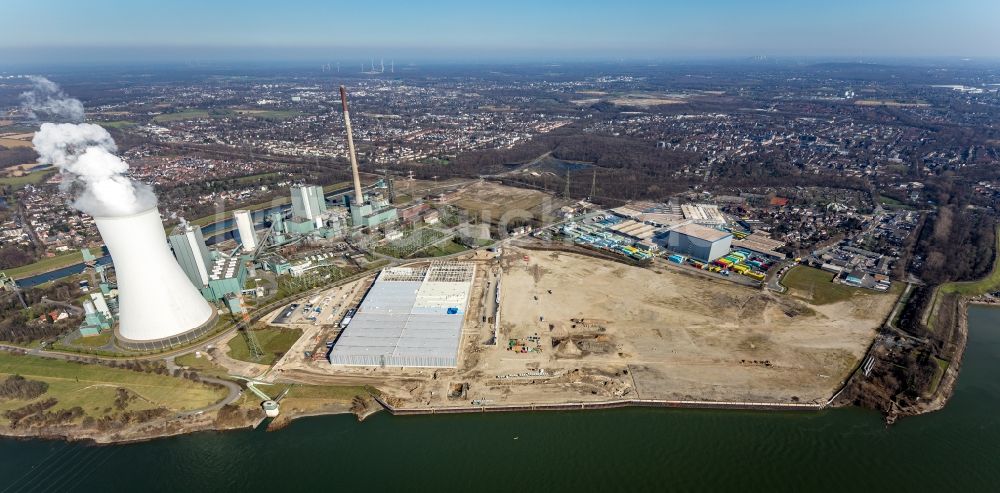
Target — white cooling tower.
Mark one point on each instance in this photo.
(158, 305)
(244, 224)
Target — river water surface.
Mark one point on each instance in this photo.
(957, 449)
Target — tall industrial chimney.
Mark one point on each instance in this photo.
(358, 197)
(158, 305)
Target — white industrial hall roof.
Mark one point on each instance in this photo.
(410, 317)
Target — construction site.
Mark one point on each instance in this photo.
(545, 327)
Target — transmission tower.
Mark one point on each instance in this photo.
(252, 344)
(255, 351)
(566, 194)
(6, 283)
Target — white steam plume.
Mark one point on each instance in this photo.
(46, 101)
(83, 153)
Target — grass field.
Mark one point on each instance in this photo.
(308, 398)
(267, 114)
(14, 143)
(118, 124)
(892, 203)
(45, 265)
(201, 365)
(329, 392)
(274, 342)
(446, 248)
(892, 103)
(942, 366)
(95, 341)
(181, 115)
(94, 387)
(243, 180)
(816, 286)
(30, 178)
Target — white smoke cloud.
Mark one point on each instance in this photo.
(84, 154)
(46, 101)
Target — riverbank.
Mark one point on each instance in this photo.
(144, 433)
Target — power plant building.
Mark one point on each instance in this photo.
(369, 215)
(188, 244)
(700, 242)
(411, 317)
(308, 202)
(227, 277)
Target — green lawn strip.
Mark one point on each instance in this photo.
(32, 178)
(202, 365)
(819, 284)
(45, 265)
(441, 250)
(191, 114)
(93, 386)
(942, 366)
(327, 392)
(117, 124)
(94, 341)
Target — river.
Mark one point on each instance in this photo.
(957, 449)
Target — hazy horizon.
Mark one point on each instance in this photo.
(54, 31)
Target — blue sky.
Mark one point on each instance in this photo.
(78, 30)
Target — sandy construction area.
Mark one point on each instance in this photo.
(595, 330)
(680, 336)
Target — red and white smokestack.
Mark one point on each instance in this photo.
(358, 197)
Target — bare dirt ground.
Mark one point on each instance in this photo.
(683, 337)
(495, 203)
(646, 100)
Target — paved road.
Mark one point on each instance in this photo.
(235, 391)
(774, 281)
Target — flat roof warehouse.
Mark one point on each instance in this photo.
(702, 232)
(410, 317)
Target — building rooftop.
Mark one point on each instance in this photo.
(702, 232)
(224, 268)
(410, 317)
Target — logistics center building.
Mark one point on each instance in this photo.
(411, 317)
(700, 242)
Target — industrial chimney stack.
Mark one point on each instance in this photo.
(358, 197)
